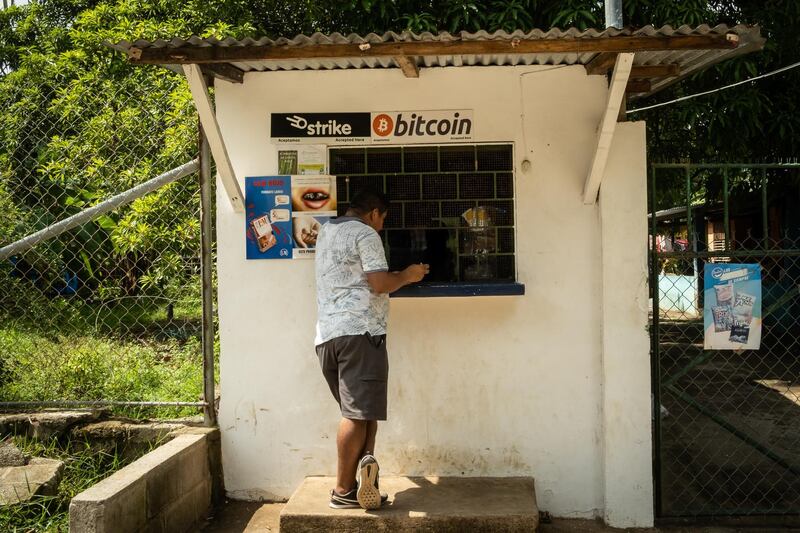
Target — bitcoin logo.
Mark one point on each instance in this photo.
(382, 125)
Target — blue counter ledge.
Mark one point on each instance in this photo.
(433, 290)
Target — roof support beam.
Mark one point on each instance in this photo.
(604, 62)
(655, 71)
(638, 86)
(224, 71)
(619, 43)
(601, 63)
(408, 66)
(616, 93)
(208, 118)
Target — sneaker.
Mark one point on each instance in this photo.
(344, 501)
(384, 496)
(367, 493)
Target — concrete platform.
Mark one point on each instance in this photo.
(257, 517)
(419, 504)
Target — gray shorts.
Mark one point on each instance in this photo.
(356, 368)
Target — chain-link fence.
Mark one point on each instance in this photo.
(111, 309)
(727, 423)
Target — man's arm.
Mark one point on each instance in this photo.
(388, 282)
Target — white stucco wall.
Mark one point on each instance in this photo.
(627, 444)
(478, 386)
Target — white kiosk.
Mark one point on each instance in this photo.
(539, 368)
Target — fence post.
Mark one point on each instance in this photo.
(209, 412)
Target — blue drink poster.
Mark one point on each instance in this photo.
(732, 308)
(268, 217)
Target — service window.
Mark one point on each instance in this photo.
(451, 206)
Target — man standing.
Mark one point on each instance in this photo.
(353, 286)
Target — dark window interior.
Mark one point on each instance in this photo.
(430, 188)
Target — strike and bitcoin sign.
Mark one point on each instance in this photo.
(383, 127)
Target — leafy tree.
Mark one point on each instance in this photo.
(80, 125)
(754, 121)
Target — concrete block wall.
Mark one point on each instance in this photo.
(169, 489)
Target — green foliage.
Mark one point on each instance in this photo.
(576, 13)
(419, 22)
(81, 125)
(36, 367)
(749, 122)
(464, 15)
(509, 15)
(10, 216)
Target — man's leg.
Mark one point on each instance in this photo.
(350, 443)
(368, 495)
(369, 445)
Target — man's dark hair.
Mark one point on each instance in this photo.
(366, 200)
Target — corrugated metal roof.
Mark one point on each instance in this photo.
(689, 60)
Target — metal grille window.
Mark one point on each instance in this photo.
(430, 189)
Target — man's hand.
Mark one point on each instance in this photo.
(386, 282)
(415, 273)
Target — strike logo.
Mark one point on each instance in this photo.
(383, 125)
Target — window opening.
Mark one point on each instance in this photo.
(430, 189)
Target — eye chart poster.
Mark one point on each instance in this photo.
(732, 310)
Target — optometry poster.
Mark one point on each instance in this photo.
(284, 214)
(732, 307)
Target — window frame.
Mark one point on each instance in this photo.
(460, 287)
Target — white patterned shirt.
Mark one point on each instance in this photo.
(347, 250)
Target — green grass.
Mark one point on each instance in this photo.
(40, 367)
(83, 467)
(125, 348)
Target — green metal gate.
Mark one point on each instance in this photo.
(726, 423)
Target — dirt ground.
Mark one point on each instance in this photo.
(249, 517)
(730, 436)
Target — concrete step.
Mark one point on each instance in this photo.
(419, 504)
(19, 484)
